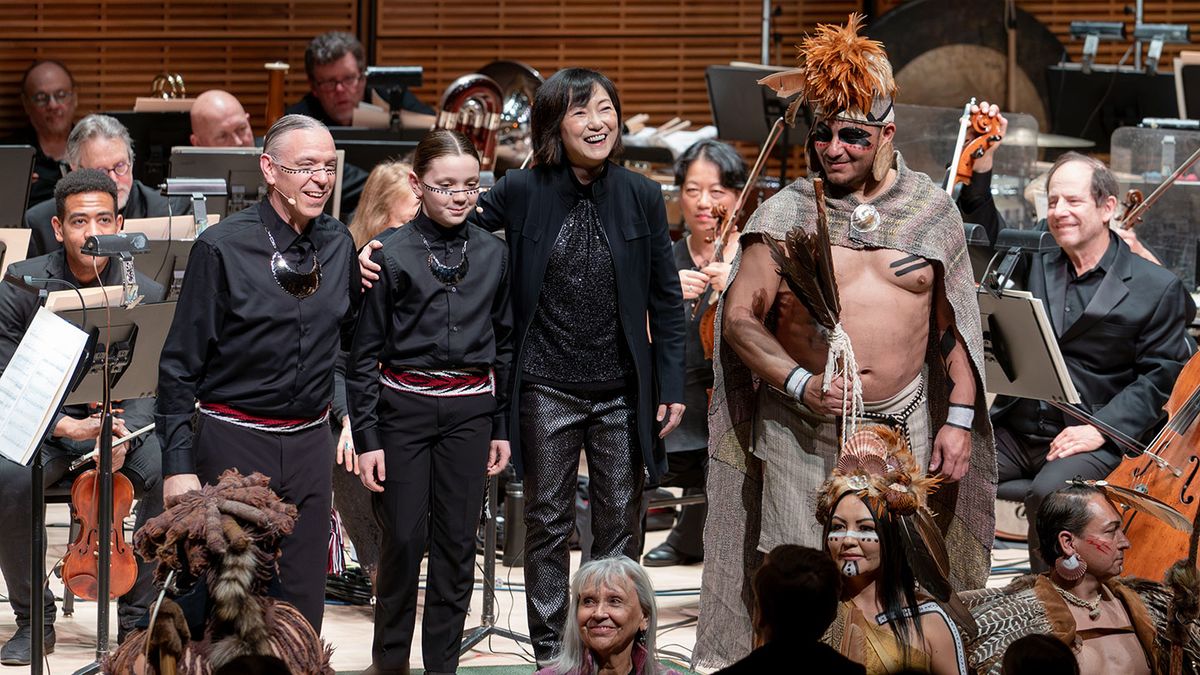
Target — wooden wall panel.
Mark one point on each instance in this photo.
(115, 48)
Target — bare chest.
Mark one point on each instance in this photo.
(882, 269)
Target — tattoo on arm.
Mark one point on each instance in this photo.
(946, 347)
(910, 264)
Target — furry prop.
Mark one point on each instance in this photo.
(227, 534)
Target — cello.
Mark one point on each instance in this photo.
(1167, 470)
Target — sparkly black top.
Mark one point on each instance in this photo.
(575, 339)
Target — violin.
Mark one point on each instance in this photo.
(1166, 470)
(988, 130)
(1131, 214)
(707, 310)
(1136, 205)
(80, 567)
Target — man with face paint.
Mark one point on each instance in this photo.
(1113, 623)
(246, 374)
(908, 308)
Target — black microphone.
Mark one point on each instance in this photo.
(290, 200)
(115, 245)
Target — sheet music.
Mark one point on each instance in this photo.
(35, 381)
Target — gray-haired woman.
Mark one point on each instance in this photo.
(611, 624)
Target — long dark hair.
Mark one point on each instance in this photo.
(441, 143)
(896, 587)
(568, 87)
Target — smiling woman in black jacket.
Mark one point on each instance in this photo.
(592, 267)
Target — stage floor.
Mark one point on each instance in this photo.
(349, 629)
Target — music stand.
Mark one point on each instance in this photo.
(744, 110)
(137, 337)
(165, 263)
(14, 246)
(154, 135)
(15, 161)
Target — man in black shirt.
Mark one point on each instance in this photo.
(48, 96)
(336, 66)
(86, 202)
(1121, 325)
(266, 301)
(101, 142)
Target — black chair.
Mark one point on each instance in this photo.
(60, 493)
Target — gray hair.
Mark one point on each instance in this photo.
(94, 126)
(572, 655)
(285, 125)
(330, 47)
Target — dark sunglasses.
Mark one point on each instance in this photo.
(855, 136)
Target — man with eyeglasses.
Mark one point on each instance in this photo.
(267, 300)
(101, 142)
(48, 96)
(336, 66)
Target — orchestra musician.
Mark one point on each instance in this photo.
(86, 203)
(102, 142)
(219, 121)
(48, 96)
(1121, 325)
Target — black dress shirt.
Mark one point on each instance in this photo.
(310, 105)
(409, 319)
(143, 202)
(1081, 288)
(48, 169)
(19, 304)
(240, 340)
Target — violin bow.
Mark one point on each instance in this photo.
(963, 123)
(1128, 220)
(722, 239)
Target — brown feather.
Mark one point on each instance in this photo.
(843, 70)
(807, 267)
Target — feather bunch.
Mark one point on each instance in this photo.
(807, 267)
(844, 70)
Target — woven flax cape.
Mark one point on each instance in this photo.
(916, 218)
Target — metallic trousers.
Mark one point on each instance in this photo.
(555, 425)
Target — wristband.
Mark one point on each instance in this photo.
(960, 416)
(795, 382)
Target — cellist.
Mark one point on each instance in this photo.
(1121, 325)
(709, 175)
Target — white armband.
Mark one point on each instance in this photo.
(795, 381)
(960, 416)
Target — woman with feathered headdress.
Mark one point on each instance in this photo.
(897, 603)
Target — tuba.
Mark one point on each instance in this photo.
(472, 105)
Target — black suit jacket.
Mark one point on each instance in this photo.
(144, 202)
(1125, 350)
(530, 206)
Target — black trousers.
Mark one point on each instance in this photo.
(435, 458)
(143, 468)
(686, 469)
(299, 467)
(1019, 456)
(555, 426)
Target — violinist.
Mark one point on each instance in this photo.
(1121, 325)
(86, 203)
(709, 174)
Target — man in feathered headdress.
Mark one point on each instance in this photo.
(902, 307)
